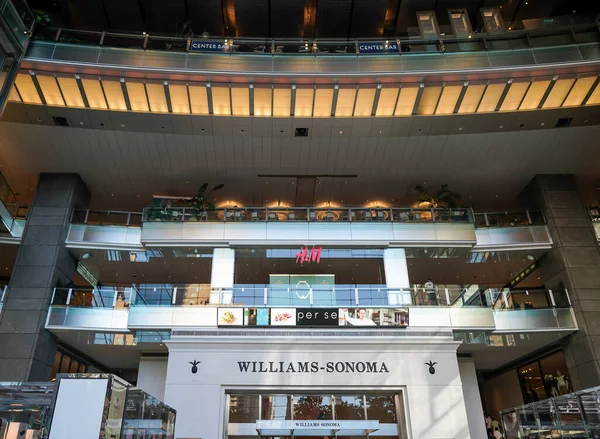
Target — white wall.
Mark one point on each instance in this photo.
(152, 374)
(436, 406)
(468, 376)
(223, 266)
(396, 269)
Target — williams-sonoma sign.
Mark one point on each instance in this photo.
(312, 367)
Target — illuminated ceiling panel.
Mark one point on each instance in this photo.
(114, 95)
(345, 102)
(387, 101)
(27, 90)
(179, 98)
(198, 99)
(282, 101)
(263, 99)
(93, 93)
(240, 100)
(559, 93)
(579, 91)
(406, 101)
(429, 99)
(490, 98)
(70, 91)
(364, 102)
(50, 90)
(13, 95)
(448, 100)
(593, 100)
(514, 96)
(304, 102)
(137, 96)
(534, 95)
(221, 102)
(157, 98)
(323, 101)
(471, 98)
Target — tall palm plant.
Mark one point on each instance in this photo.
(202, 201)
(444, 197)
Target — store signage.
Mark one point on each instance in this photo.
(207, 46)
(312, 367)
(317, 316)
(378, 47)
(306, 256)
(272, 428)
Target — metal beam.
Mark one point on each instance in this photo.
(503, 95)
(103, 93)
(62, 95)
(591, 91)
(312, 110)
(147, 97)
(37, 86)
(355, 99)
(82, 91)
(524, 94)
(547, 92)
(126, 93)
(336, 92)
(569, 92)
(439, 98)
(187, 91)
(461, 96)
(376, 100)
(418, 99)
(293, 101)
(251, 98)
(481, 97)
(209, 98)
(168, 96)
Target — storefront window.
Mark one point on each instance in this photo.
(311, 407)
(276, 407)
(545, 378)
(382, 408)
(532, 383)
(349, 407)
(243, 408)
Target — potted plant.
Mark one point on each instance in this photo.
(201, 203)
(441, 198)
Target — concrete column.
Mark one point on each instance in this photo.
(43, 263)
(470, 386)
(574, 264)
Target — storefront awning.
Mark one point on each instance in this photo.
(316, 428)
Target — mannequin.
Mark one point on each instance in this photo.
(550, 385)
(561, 381)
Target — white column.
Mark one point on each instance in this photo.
(475, 417)
(152, 375)
(221, 281)
(396, 276)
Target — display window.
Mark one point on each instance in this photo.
(545, 378)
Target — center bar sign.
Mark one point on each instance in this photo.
(313, 317)
(378, 47)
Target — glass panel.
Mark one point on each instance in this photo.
(491, 97)
(276, 407)
(114, 419)
(364, 102)
(137, 96)
(262, 101)
(282, 98)
(157, 98)
(243, 408)
(221, 102)
(532, 383)
(514, 96)
(114, 95)
(240, 98)
(179, 98)
(406, 101)
(198, 99)
(27, 90)
(310, 407)
(70, 91)
(349, 407)
(94, 94)
(448, 99)
(387, 101)
(558, 93)
(471, 99)
(304, 102)
(345, 102)
(579, 91)
(323, 101)
(381, 408)
(534, 95)
(429, 100)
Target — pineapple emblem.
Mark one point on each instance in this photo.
(431, 368)
(195, 365)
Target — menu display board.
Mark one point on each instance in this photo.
(314, 317)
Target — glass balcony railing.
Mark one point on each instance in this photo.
(311, 214)
(510, 218)
(106, 218)
(302, 295)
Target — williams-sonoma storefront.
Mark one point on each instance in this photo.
(284, 383)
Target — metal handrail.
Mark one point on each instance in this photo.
(304, 46)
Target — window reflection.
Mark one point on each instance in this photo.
(545, 378)
(382, 408)
(243, 408)
(276, 407)
(349, 407)
(310, 407)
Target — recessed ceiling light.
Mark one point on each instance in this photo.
(543, 123)
(341, 132)
(39, 119)
(460, 129)
(80, 123)
(122, 125)
(500, 126)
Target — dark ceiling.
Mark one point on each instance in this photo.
(288, 18)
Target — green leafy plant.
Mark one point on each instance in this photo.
(41, 17)
(444, 197)
(201, 202)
